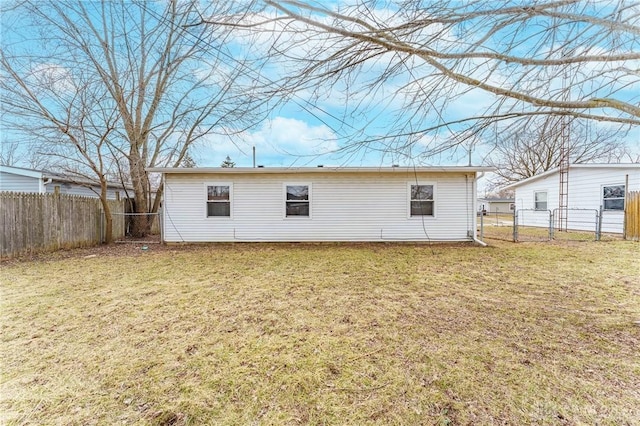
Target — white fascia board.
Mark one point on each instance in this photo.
(294, 170)
(21, 172)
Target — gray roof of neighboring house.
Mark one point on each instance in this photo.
(58, 177)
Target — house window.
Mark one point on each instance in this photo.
(218, 200)
(297, 201)
(421, 200)
(540, 200)
(613, 197)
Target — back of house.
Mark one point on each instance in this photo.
(319, 204)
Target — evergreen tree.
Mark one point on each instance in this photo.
(188, 161)
(227, 163)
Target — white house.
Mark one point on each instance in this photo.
(496, 205)
(17, 179)
(319, 204)
(590, 187)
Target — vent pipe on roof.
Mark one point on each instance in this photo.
(260, 166)
(254, 157)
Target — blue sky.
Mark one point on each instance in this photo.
(307, 131)
(302, 130)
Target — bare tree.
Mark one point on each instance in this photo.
(537, 145)
(163, 84)
(443, 72)
(72, 115)
(9, 152)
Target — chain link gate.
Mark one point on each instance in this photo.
(577, 225)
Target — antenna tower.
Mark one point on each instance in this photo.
(563, 192)
(563, 166)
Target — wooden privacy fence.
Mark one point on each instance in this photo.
(46, 222)
(632, 216)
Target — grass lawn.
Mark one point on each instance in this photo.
(527, 333)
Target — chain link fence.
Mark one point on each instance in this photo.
(546, 225)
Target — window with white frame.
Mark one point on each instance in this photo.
(218, 200)
(297, 200)
(422, 199)
(613, 197)
(540, 200)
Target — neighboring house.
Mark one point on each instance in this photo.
(17, 179)
(590, 187)
(319, 204)
(496, 205)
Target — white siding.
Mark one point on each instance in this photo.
(497, 206)
(344, 207)
(585, 192)
(18, 183)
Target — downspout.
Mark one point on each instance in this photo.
(44, 183)
(162, 217)
(475, 211)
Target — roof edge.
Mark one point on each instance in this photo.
(20, 171)
(572, 166)
(268, 170)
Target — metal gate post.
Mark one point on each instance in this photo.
(550, 225)
(599, 225)
(515, 226)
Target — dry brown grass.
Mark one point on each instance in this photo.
(524, 333)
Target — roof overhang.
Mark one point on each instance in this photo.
(295, 170)
(83, 181)
(573, 166)
(21, 171)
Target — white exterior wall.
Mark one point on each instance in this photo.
(344, 207)
(525, 201)
(585, 192)
(500, 207)
(495, 206)
(17, 183)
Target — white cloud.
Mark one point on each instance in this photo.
(280, 141)
(52, 78)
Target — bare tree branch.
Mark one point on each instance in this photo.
(160, 85)
(417, 59)
(535, 145)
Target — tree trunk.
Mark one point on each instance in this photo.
(108, 226)
(140, 184)
(108, 219)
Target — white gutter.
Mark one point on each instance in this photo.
(482, 243)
